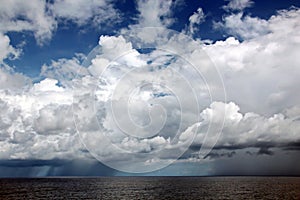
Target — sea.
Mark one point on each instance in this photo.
(151, 188)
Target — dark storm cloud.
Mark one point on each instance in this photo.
(31, 163)
(266, 151)
(218, 155)
(83, 168)
(264, 147)
(292, 146)
(257, 144)
(55, 167)
(247, 163)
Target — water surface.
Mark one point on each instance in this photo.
(152, 188)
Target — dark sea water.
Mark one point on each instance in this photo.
(152, 188)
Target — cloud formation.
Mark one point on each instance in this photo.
(244, 27)
(32, 16)
(155, 13)
(81, 11)
(43, 17)
(257, 71)
(250, 129)
(37, 123)
(6, 50)
(258, 62)
(238, 5)
(195, 20)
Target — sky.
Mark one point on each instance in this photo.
(174, 87)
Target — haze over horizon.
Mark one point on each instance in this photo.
(175, 87)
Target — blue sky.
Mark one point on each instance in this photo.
(217, 92)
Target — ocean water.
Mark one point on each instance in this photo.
(152, 188)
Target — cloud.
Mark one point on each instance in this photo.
(247, 27)
(82, 12)
(113, 48)
(17, 16)
(257, 71)
(9, 79)
(244, 27)
(238, 5)
(43, 17)
(218, 155)
(44, 104)
(64, 70)
(249, 129)
(265, 150)
(37, 123)
(145, 145)
(280, 163)
(196, 19)
(6, 50)
(140, 102)
(155, 13)
(53, 167)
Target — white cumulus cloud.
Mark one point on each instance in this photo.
(261, 73)
(238, 5)
(244, 130)
(245, 27)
